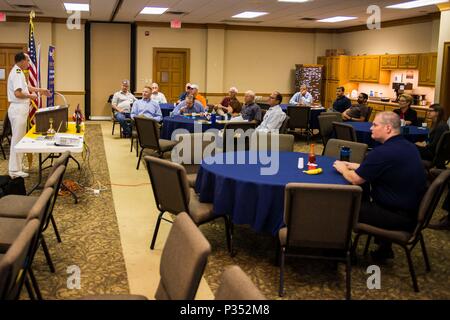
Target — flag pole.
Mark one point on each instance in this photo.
(30, 155)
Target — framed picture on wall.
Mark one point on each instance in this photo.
(409, 74)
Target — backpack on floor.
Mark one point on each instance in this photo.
(12, 186)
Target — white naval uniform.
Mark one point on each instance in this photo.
(18, 115)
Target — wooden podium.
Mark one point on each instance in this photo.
(59, 114)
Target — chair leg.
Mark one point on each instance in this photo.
(155, 232)
(411, 270)
(229, 235)
(366, 248)
(47, 254)
(55, 228)
(139, 159)
(113, 127)
(425, 254)
(29, 289)
(132, 140)
(3, 151)
(282, 258)
(137, 146)
(354, 247)
(348, 276)
(35, 284)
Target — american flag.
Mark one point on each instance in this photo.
(33, 71)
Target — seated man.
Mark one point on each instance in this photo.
(185, 93)
(197, 96)
(146, 107)
(250, 110)
(357, 112)
(229, 104)
(341, 103)
(302, 98)
(189, 105)
(121, 103)
(157, 96)
(397, 180)
(274, 117)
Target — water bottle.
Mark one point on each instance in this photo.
(213, 117)
(345, 153)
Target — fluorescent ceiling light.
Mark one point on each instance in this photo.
(153, 10)
(249, 14)
(415, 4)
(337, 19)
(294, 1)
(76, 6)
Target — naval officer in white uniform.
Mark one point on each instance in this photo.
(19, 95)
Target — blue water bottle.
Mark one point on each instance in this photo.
(213, 118)
(345, 153)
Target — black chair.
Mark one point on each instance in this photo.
(409, 240)
(343, 131)
(442, 154)
(263, 106)
(5, 133)
(326, 120)
(358, 150)
(299, 118)
(369, 113)
(148, 137)
(241, 134)
(284, 126)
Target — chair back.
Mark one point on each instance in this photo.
(442, 154)
(430, 200)
(15, 263)
(369, 113)
(344, 131)
(192, 140)
(183, 260)
(6, 130)
(263, 106)
(285, 141)
(326, 124)
(240, 132)
(285, 125)
(298, 117)
(236, 285)
(358, 150)
(169, 184)
(40, 207)
(148, 132)
(62, 160)
(311, 223)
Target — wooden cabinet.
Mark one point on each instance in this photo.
(330, 92)
(388, 62)
(356, 68)
(408, 61)
(427, 69)
(336, 68)
(371, 69)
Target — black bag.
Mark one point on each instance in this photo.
(12, 186)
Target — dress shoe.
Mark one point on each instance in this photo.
(17, 174)
(443, 224)
(382, 254)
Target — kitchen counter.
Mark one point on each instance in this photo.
(394, 104)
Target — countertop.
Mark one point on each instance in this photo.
(394, 104)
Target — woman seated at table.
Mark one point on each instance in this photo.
(439, 126)
(189, 105)
(405, 111)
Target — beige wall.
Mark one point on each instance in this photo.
(444, 36)
(215, 60)
(193, 39)
(412, 38)
(110, 63)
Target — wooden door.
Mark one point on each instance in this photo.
(171, 71)
(7, 53)
(444, 95)
(372, 68)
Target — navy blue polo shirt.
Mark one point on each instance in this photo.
(396, 175)
(342, 104)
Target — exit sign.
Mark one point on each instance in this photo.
(175, 24)
(2, 16)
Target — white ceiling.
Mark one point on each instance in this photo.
(281, 14)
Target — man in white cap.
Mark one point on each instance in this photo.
(197, 96)
(121, 103)
(157, 96)
(19, 95)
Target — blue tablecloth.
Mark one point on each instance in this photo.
(240, 190)
(363, 133)
(166, 109)
(170, 124)
(314, 120)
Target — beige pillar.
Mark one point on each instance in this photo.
(215, 57)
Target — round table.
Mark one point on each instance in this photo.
(166, 109)
(170, 124)
(314, 115)
(364, 135)
(240, 191)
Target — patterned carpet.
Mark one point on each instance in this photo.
(91, 241)
(89, 232)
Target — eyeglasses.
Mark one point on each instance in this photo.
(154, 87)
(189, 88)
(272, 97)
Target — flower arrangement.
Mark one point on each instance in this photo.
(78, 118)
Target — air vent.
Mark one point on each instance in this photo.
(176, 13)
(308, 19)
(241, 21)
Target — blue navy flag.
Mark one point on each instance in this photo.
(51, 76)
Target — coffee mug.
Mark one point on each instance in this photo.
(424, 124)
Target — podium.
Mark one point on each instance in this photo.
(59, 114)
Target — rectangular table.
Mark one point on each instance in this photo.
(34, 142)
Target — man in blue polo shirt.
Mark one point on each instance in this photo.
(396, 177)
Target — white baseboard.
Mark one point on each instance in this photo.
(100, 118)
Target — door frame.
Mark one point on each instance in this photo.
(186, 51)
(444, 98)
